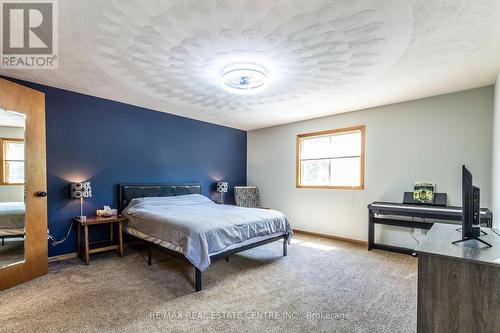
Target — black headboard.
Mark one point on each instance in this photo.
(128, 192)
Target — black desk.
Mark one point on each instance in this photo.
(387, 213)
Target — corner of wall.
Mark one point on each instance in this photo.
(495, 170)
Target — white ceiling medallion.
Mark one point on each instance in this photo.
(304, 51)
(244, 78)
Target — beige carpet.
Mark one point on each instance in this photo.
(322, 286)
(11, 252)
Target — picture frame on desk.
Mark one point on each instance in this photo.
(438, 199)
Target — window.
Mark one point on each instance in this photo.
(13, 161)
(331, 159)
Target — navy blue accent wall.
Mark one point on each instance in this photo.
(108, 143)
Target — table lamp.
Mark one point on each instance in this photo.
(222, 188)
(79, 191)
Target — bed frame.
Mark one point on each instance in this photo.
(11, 233)
(128, 192)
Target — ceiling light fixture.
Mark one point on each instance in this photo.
(244, 78)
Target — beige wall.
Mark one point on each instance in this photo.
(422, 140)
(11, 132)
(9, 193)
(496, 155)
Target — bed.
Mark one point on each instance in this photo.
(180, 221)
(11, 220)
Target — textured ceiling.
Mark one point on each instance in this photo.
(322, 57)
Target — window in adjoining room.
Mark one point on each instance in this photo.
(331, 159)
(13, 161)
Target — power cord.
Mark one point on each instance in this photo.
(57, 242)
(495, 231)
(412, 231)
(412, 236)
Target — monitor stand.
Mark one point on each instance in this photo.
(483, 232)
(470, 238)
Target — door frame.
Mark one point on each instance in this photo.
(15, 97)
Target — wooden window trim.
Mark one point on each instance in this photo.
(2, 171)
(360, 128)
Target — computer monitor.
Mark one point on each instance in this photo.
(468, 213)
(471, 227)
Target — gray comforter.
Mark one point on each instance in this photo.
(200, 227)
(12, 215)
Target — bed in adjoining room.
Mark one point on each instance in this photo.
(11, 220)
(184, 223)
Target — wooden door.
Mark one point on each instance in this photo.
(30, 103)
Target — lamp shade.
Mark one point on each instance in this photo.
(222, 187)
(80, 190)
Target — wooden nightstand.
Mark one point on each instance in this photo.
(101, 246)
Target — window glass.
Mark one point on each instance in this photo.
(331, 159)
(13, 163)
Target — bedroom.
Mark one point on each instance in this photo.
(179, 114)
